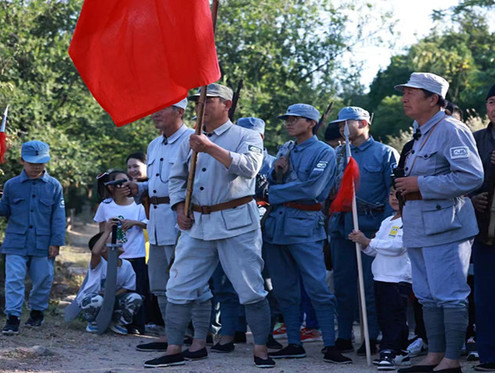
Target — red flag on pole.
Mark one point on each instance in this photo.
(137, 57)
(350, 183)
(3, 136)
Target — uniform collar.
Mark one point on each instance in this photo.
(306, 143)
(25, 177)
(430, 123)
(223, 128)
(365, 145)
(177, 134)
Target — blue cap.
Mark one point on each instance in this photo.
(252, 123)
(302, 110)
(35, 152)
(352, 113)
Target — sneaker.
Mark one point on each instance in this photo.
(332, 355)
(485, 367)
(390, 360)
(344, 345)
(11, 326)
(224, 349)
(273, 344)
(472, 350)
(263, 363)
(165, 361)
(362, 350)
(195, 355)
(118, 328)
(35, 319)
(240, 337)
(152, 347)
(292, 351)
(473, 356)
(280, 331)
(310, 335)
(417, 347)
(92, 327)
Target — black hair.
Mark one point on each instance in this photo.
(441, 101)
(453, 108)
(140, 156)
(93, 240)
(332, 132)
(103, 191)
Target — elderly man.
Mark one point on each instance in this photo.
(376, 162)
(224, 227)
(439, 222)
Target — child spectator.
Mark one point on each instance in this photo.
(90, 298)
(33, 203)
(392, 276)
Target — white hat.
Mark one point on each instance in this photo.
(427, 81)
(181, 104)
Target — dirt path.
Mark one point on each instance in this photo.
(61, 347)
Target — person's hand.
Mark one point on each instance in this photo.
(407, 184)
(110, 223)
(200, 143)
(130, 187)
(53, 251)
(183, 220)
(281, 165)
(480, 201)
(359, 237)
(128, 223)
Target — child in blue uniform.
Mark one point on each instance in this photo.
(34, 205)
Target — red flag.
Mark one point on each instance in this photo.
(350, 183)
(137, 57)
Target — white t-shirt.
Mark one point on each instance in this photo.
(391, 262)
(126, 278)
(133, 239)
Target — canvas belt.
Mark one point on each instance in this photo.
(222, 206)
(414, 196)
(304, 207)
(159, 200)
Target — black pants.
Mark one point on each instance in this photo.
(391, 304)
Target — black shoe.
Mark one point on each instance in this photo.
(417, 369)
(273, 344)
(152, 347)
(209, 339)
(264, 363)
(224, 349)
(292, 351)
(196, 355)
(165, 361)
(11, 326)
(485, 367)
(335, 357)
(362, 350)
(35, 319)
(240, 337)
(344, 345)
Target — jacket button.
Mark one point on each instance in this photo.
(201, 188)
(30, 227)
(157, 175)
(155, 206)
(204, 169)
(438, 207)
(154, 191)
(161, 159)
(34, 195)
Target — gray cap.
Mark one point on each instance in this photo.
(352, 113)
(302, 110)
(215, 90)
(427, 81)
(181, 104)
(35, 152)
(252, 123)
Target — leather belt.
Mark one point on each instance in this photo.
(159, 200)
(222, 206)
(414, 196)
(302, 206)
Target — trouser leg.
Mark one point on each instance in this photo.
(40, 270)
(15, 273)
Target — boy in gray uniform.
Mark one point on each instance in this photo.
(224, 226)
(439, 221)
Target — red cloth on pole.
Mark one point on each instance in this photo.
(350, 183)
(3, 146)
(139, 56)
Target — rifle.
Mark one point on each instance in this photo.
(324, 116)
(235, 98)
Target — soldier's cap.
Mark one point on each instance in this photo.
(252, 123)
(181, 104)
(491, 92)
(352, 113)
(35, 152)
(427, 81)
(214, 90)
(302, 110)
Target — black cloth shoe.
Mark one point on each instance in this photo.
(362, 350)
(335, 357)
(240, 337)
(271, 343)
(485, 367)
(344, 345)
(153, 347)
(263, 363)
(35, 319)
(188, 341)
(165, 361)
(11, 326)
(417, 369)
(292, 351)
(223, 349)
(450, 370)
(209, 339)
(196, 355)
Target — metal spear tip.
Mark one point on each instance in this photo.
(346, 130)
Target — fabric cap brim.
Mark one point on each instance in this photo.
(36, 159)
